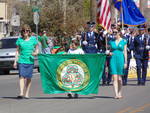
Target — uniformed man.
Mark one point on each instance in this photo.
(102, 36)
(141, 48)
(89, 39)
(148, 40)
(101, 45)
(130, 38)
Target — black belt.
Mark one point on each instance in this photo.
(141, 48)
(91, 45)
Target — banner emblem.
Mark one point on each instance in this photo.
(73, 75)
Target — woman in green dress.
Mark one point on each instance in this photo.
(118, 62)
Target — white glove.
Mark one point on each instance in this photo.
(105, 32)
(85, 42)
(148, 47)
(107, 52)
(123, 32)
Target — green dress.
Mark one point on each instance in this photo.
(117, 58)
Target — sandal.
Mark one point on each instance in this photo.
(116, 97)
(19, 97)
(120, 97)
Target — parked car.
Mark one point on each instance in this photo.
(7, 54)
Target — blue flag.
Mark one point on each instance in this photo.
(117, 4)
(131, 14)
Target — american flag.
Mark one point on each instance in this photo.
(104, 14)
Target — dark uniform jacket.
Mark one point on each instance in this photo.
(130, 45)
(91, 38)
(140, 44)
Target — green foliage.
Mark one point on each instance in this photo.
(86, 7)
(26, 14)
(52, 13)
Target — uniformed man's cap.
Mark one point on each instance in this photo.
(90, 24)
(125, 27)
(141, 27)
(100, 28)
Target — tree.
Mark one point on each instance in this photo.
(93, 10)
(52, 15)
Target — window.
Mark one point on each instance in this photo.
(8, 43)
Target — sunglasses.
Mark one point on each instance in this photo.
(25, 31)
(115, 32)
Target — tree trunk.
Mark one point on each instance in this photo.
(59, 2)
(93, 7)
(65, 11)
(143, 5)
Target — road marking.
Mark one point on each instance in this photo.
(125, 110)
(140, 108)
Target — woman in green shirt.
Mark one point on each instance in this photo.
(27, 48)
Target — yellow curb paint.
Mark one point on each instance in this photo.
(133, 74)
(132, 69)
(140, 108)
(125, 110)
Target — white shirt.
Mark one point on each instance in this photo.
(75, 51)
(90, 33)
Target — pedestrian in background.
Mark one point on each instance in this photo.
(27, 48)
(118, 62)
(44, 43)
(74, 49)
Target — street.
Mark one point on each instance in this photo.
(136, 99)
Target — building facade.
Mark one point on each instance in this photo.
(3, 19)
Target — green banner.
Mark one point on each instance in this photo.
(79, 74)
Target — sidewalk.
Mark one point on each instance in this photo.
(132, 69)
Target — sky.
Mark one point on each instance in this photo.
(137, 2)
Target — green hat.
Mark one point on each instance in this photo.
(56, 47)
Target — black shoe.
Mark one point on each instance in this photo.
(69, 96)
(139, 83)
(108, 83)
(76, 95)
(104, 83)
(124, 83)
(143, 83)
(19, 97)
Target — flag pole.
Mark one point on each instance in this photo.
(122, 15)
(106, 39)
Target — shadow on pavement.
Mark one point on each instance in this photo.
(43, 98)
(62, 98)
(106, 97)
(15, 98)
